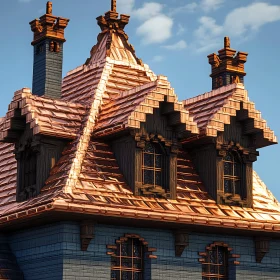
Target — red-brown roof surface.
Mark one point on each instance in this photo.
(212, 110)
(113, 91)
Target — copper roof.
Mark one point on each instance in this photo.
(115, 90)
(212, 111)
(52, 117)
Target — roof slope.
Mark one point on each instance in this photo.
(52, 117)
(212, 110)
(87, 178)
(129, 108)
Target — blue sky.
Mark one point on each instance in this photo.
(174, 37)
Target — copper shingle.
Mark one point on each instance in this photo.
(212, 110)
(111, 92)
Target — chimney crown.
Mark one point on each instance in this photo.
(48, 26)
(228, 66)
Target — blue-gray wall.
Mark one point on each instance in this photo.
(53, 252)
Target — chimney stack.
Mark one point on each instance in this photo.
(227, 66)
(48, 53)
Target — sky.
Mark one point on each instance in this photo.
(173, 37)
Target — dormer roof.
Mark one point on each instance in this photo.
(114, 90)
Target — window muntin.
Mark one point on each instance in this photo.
(152, 166)
(215, 266)
(128, 260)
(232, 170)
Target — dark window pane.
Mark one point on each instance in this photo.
(158, 159)
(148, 160)
(137, 276)
(158, 178)
(216, 265)
(227, 168)
(126, 275)
(128, 264)
(237, 187)
(149, 148)
(148, 177)
(227, 186)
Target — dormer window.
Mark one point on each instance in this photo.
(152, 168)
(27, 171)
(232, 173)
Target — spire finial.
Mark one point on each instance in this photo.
(226, 42)
(114, 5)
(49, 8)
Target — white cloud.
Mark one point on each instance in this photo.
(156, 29)
(205, 5)
(239, 23)
(158, 58)
(177, 46)
(207, 34)
(250, 18)
(148, 10)
(211, 5)
(188, 8)
(125, 6)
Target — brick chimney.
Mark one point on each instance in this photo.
(48, 53)
(227, 67)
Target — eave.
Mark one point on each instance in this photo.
(60, 211)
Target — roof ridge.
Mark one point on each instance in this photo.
(221, 90)
(83, 139)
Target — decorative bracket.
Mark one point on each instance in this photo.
(86, 234)
(261, 248)
(181, 239)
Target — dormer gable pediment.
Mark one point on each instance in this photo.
(213, 111)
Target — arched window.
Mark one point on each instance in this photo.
(218, 262)
(128, 257)
(215, 266)
(152, 167)
(128, 262)
(232, 170)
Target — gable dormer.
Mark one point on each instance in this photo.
(231, 131)
(144, 135)
(39, 128)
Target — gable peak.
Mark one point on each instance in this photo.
(112, 41)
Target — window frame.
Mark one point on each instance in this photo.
(209, 265)
(246, 157)
(154, 168)
(231, 261)
(27, 164)
(235, 173)
(169, 167)
(146, 255)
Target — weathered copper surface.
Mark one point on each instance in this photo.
(227, 60)
(46, 116)
(48, 26)
(114, 90)
(212, 111)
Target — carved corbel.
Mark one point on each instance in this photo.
(86, 234)
(261, 248)
(181, 239)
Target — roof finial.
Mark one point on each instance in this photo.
(49, 8)
(114, 5)
(226, 42)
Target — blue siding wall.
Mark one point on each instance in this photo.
(53, 252)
